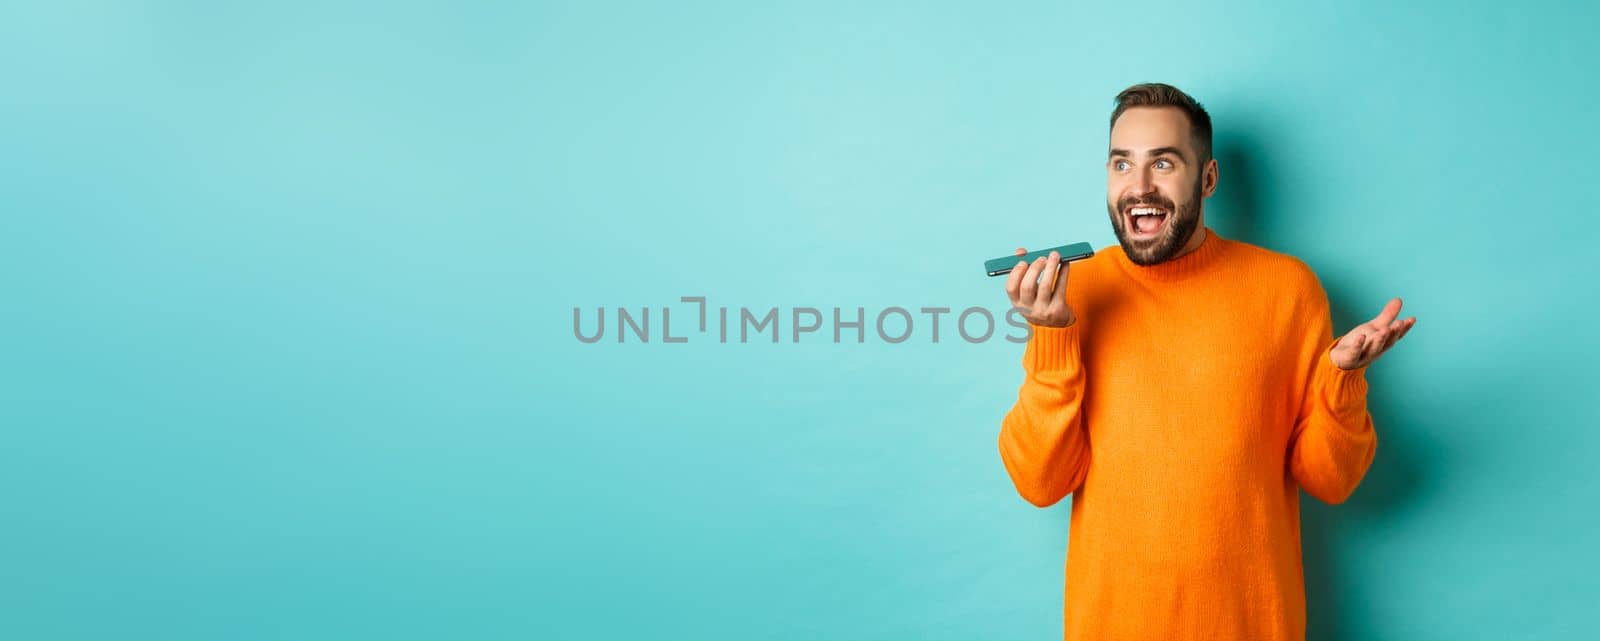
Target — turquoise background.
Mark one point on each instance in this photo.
(289, 288)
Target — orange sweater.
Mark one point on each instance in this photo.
(1184, 410)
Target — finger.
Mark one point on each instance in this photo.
(1394, 335)
(1405, 327)
(1060, 295)
(1390, 311)
(1047, 280)
(1014, 281)
(1401, 323)
(1374, 346)
(1030, 282)
(1021, 251)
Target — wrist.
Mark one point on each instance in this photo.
(1344, 386)
(1051, 347)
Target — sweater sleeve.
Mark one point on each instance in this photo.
(1333, 441)
(1043, 442)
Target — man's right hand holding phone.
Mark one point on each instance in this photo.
(1039, 292)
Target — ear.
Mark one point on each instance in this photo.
(1209, 179)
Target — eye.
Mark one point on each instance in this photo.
(1163, 164)
(1120, 165)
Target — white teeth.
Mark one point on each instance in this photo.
(1146, 211)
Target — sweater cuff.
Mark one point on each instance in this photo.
(1344, 386)
(1051, 348)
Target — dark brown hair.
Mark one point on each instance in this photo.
(1156, 94)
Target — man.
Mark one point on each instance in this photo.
(1184, 387)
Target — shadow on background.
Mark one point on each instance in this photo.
(1397, 469)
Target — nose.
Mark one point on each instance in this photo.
(1140, 185)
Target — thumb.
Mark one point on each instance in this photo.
(1349, 347)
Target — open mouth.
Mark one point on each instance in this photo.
(1145, 221)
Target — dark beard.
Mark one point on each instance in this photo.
(1180, 226)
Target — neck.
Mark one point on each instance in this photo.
(1196, 239)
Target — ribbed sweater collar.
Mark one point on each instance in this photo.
(1202, 258)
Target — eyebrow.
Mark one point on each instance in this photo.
(1153, 152)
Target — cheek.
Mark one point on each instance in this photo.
(1117, 187)
(1177, 188)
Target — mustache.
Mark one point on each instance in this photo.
(1152, 200)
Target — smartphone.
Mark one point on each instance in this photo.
(1002, 265)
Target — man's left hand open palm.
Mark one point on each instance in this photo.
(1369, 340)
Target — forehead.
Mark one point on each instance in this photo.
(1141, 128)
